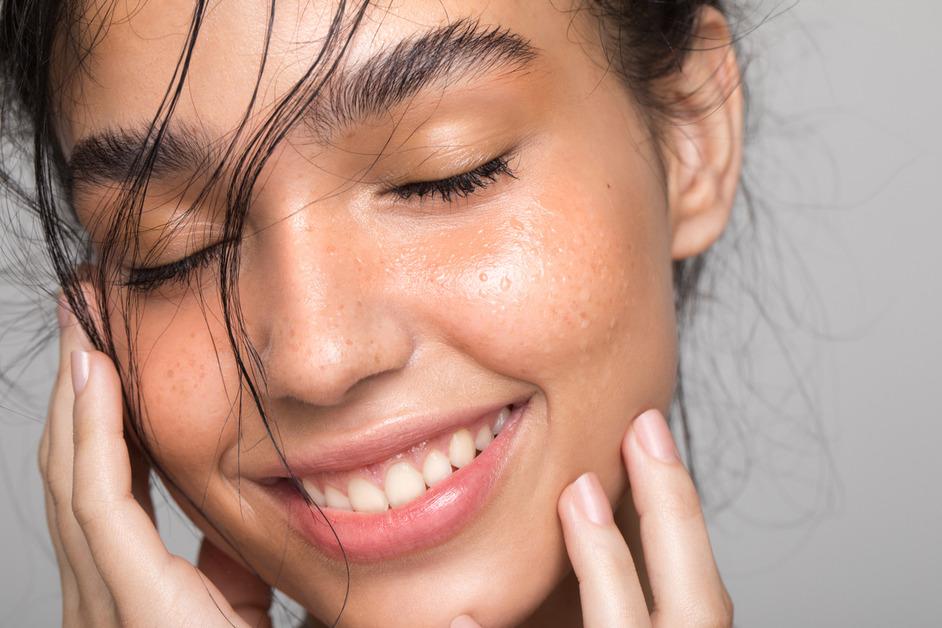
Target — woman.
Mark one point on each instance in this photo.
(386, 293)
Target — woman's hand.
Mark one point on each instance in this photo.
(114, 567)
(685, 582)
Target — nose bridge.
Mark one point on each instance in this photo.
(324, 323)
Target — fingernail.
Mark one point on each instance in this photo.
(590, 499)
(79, 370)
(655, 437)
(463, 621)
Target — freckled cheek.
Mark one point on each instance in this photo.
(580, 303)
(185, 403)
(561, 292)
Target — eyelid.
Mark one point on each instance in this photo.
(487, 169)
(462, 184)
(143, 278)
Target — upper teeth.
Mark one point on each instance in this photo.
(461, 449)
(366, 497)
(502, 417)
(436, 468)
(402, 481)
(403, 484)
(484, 438)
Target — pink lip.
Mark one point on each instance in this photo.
(378, 442)
(433, 518)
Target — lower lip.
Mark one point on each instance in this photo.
(428, 521)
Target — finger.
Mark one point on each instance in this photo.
(66, 575)
(57, 465)
(78, 572)
(67, 581)
(685, 581)
(609, 589)
(58, 462)
(123, 540)
(248, 595)
(63, 562)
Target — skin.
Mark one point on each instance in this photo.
(562, 278)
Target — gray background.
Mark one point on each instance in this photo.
(813, 375)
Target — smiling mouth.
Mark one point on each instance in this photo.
(412, 500)
(406, 476)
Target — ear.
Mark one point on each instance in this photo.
(704, 141)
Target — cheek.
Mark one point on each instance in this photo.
(570, 292)
(555, 285)
(187, 380)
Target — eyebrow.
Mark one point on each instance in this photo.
(460, 50)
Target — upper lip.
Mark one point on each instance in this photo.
(379, 441)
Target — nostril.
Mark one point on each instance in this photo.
(320, 362)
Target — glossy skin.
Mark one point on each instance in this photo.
(557, 283)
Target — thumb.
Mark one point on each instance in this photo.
(248, 595)
(463, 621)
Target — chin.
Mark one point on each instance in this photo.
(485, 542)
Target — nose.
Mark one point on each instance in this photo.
(322, 319)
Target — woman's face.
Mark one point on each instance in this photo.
(386, 322)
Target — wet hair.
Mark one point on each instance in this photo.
(645, 41)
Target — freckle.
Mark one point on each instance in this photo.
(608, 185)
(169, 374)
(516, 224)
(331, 248)
(349, 342)
(505, 284)
(483, 276)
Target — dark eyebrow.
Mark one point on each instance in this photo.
(108, 156)
(460, 50)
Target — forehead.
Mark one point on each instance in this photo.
(138, 48)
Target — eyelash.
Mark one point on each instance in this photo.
(149, 279)
(460, 185)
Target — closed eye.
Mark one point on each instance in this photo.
(459, 185)
(146, 279)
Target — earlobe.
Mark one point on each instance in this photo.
(704, 142)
